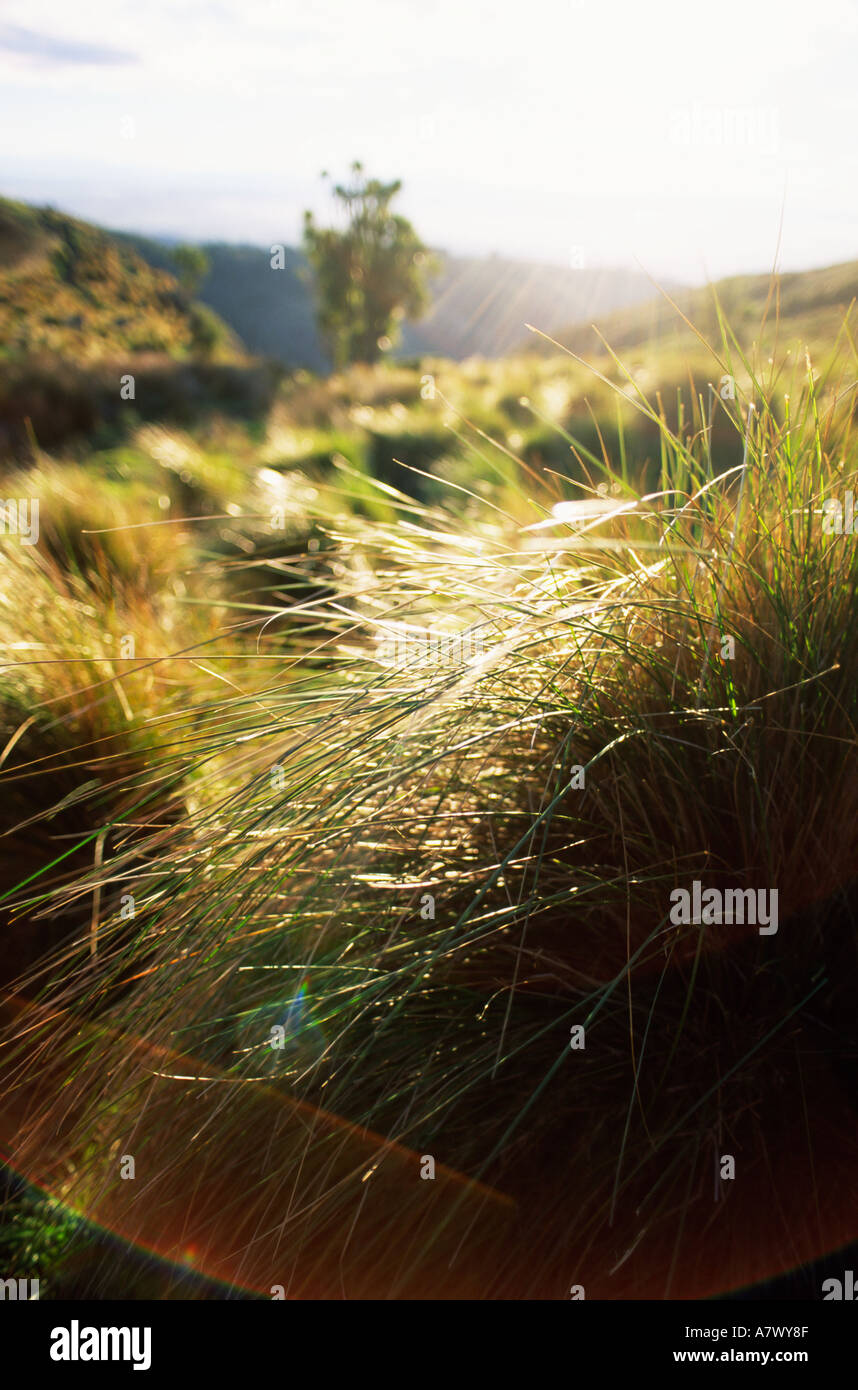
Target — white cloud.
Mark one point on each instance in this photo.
(521, 128)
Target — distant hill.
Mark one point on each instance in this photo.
(70, 290)
(479, 304)
(808, 305)
(270, 310)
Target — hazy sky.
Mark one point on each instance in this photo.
(669, 132)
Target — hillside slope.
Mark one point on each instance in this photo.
(805, 305)
(69, 290)
(78, 312)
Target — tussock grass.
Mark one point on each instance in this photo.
(688, 640)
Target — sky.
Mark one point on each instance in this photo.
(690, 140)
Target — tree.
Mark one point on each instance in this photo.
(192, 265)
(370, 275)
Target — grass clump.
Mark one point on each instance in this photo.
(406, 882)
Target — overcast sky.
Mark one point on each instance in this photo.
(669, 133)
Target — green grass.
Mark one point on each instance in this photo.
(694, 651)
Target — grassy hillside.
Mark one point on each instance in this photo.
(807, 306)
(79, 314)
(67, 289)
